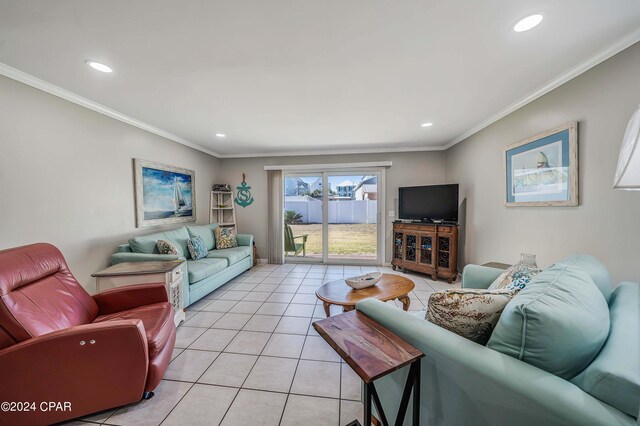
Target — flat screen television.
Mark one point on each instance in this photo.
(432, 202)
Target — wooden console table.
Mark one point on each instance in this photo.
(372, 351)
(169, 272)
(426, 247)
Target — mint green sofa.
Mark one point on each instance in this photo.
(201, 277)
(562, 370)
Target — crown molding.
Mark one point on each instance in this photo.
(563, 78)
(617, 47)
(67, 95)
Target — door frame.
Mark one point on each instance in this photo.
(380, 217)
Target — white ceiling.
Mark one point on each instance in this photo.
(283, 76)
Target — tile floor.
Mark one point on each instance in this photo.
(248, 355)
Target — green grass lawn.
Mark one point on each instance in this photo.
(344, 239)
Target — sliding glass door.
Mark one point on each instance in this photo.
(334, 216)
(303, 213)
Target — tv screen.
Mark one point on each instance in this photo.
(435, 202)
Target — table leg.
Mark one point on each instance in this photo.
(348, 308)
(327, 311)
(416, 396)
(367, 406)
(405, 302)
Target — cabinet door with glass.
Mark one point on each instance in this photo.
(398, 239)
(411, 248)
(426, 249)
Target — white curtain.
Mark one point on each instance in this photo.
(275, 217)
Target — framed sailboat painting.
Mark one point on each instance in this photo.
(164, 194)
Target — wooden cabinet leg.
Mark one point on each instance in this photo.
(327, 311)
(394, 267)
(450, 280)
(405, 302)
(434, 277)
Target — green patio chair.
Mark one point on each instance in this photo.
(290, 244)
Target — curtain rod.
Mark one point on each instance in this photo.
(331, 166)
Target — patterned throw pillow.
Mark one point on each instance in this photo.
(470, 313)
(515, 278)
(165, 247)
(197, 248)
(225, 237)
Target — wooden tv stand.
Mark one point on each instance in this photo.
(429, 248)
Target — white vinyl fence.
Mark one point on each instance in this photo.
(343, 211)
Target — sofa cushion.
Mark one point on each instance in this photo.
(470, 313)
(614, 376)
(225, 238)
(157, 320)
(166, 247)
(596, 270)
(204, 268)
(179, 238)
(205, 232)
(558, 322)
(148, 243)
(197, 249)
(233, 255)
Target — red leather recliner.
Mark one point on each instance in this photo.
(59, 344)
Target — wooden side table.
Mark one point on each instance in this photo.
(169, 272)
(497, 265)
(372, 351)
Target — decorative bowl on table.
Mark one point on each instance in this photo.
(363, 281)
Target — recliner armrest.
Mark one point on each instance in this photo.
(130, 297)
(92, 367)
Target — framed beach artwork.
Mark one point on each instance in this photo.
(543, 170)
(164, 194)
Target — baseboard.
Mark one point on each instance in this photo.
(263, 261)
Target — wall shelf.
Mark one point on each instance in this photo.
(223, 216)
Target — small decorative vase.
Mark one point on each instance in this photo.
(528, 259)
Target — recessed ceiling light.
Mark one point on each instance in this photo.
(527, 23)
(98, 66)
(426, 124)
(221, 135)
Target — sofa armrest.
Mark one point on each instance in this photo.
(476, 276)
(58, 367)
(245, 239)
(121, 257)
(467, 383)
(129, 297)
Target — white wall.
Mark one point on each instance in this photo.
(410, 168)
(66, 177)
(607, 222)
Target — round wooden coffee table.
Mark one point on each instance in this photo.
(389, 287)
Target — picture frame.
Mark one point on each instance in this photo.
(165, 194)
(542, 171)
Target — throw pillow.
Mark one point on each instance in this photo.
(225, 237)
(515, 278)
(470, 313)
(197, 248)
(165, 247)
